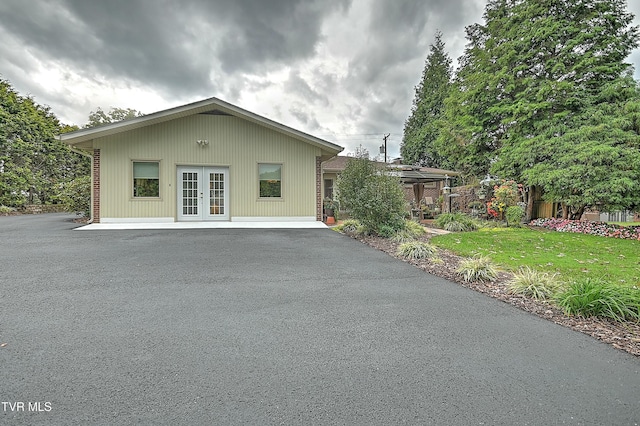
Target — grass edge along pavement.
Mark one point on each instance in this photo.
(572, 256)
(622, 335)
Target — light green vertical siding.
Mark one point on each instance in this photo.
(233, 142)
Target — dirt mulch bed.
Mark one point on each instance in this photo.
(623, 336)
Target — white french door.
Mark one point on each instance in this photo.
(203, 193)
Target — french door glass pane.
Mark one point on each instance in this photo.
(189, 193)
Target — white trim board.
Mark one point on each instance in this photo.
(273, 219)
(137, 220)
(204, 225)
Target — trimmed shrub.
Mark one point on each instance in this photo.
(478, 268)
(529, 282)
(598, 298)
(372, 196)
(416, 250)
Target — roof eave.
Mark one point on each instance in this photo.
(207, 105)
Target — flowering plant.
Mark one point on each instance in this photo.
(602, 229)
(495, 208)
(506, 194)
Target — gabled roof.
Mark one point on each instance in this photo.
(213, 106)
(339, 162)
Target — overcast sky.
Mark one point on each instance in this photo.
(342, 70)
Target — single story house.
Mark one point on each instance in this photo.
(204, 161)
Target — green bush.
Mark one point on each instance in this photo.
(11, 184)
(416, 250)
(456, 222)
(478, 268)
(372, 196)
(6, 210)
(386, 230)
(529, 282)
(598, 298)
(514, 215)
(76, 196)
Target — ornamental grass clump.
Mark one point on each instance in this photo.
(456, 222)
(350, 227)
(416, 250)
(538, 285)
(477, 268)
(402, 236)
(414, 228)
(598, 298)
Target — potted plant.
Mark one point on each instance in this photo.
(330, 207)
(438, 208)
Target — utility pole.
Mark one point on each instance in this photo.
(383, 148)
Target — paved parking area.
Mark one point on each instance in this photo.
(305, 326)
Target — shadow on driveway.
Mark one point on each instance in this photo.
(236, 326)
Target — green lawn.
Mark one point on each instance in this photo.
(573, 256)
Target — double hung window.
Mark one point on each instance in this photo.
(146, 179)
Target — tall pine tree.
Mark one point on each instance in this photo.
(422, 127)
(34, 165)
(535, 81)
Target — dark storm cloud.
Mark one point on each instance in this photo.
(298, 85)
(115, 39)
(338, 66)
(385, 71)
(172, 46)
(271, 31)
(305, 115)
(401, 31)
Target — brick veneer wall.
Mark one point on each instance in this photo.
(318, 188)
(95, 210)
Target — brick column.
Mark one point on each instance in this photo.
(95, 187)
(319, 188)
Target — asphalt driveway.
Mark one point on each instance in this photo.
(236, 326)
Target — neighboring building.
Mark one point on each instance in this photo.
(421, 184)
(204, 161)
(331, 169)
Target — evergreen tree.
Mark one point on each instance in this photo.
(422, 127)
(535, 82)
(99, 118)
(34, 165)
